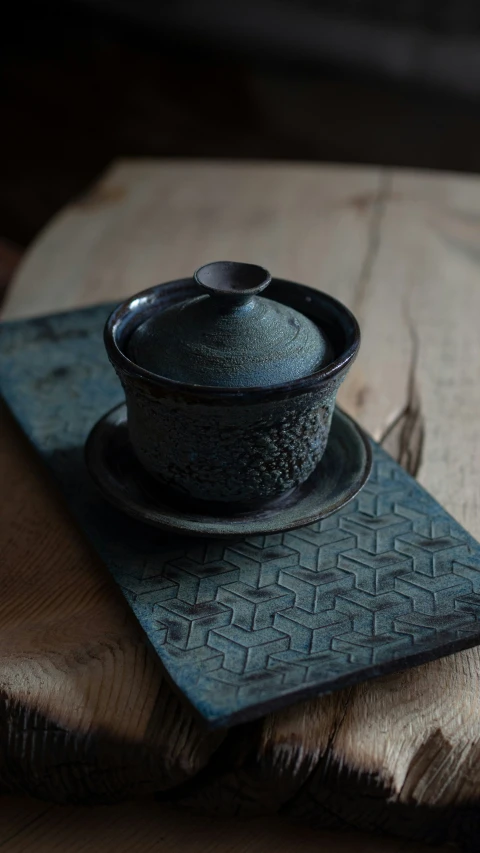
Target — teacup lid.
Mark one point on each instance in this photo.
(230, 337)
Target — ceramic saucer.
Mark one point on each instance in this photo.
(339, 476)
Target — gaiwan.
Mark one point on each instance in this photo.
(229, 393)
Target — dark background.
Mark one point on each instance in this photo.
(363, 81)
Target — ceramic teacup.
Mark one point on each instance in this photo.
(241, 447)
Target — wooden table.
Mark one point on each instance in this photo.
(145, 826)
(84, 711)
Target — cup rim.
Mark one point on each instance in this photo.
(143, 303)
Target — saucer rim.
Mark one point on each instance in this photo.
(172, 520)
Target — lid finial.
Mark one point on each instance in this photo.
(234, 280)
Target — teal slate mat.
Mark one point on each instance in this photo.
(252, 625)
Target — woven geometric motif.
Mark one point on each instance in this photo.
(381, 579)
(246, 626)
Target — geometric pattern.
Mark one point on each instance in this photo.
(254, 624)
(362, 587)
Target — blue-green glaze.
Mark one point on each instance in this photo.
(240, 445)
(203, 342)
(232, 337)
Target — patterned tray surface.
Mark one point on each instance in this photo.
(248, 626)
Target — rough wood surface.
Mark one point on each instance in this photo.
(85, 711)
(29, 826)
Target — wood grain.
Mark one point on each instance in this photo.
(80, 689)
(401, 249)
(27, 826)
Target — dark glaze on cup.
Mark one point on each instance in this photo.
(243, 446)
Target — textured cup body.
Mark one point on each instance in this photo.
(237, 452)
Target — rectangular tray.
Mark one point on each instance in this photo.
(246, 627)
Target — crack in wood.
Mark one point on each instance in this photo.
(378, 208)
(404, 438)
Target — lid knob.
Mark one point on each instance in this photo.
(236, 281)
